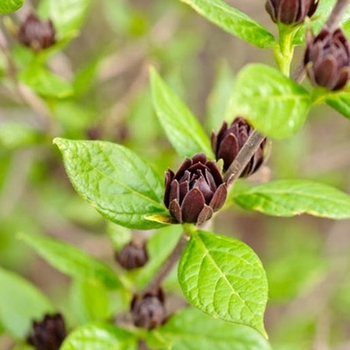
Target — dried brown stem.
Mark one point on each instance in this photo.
(337, 14)
(243, 157)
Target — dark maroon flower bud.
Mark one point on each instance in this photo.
(148, 310)
(49, 333)
(290, 11)
(132, 256)
(36, 33)
(195, 191)
(327, 59)
(229, 141)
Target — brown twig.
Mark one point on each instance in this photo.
(243, 157)
(337, 14)
(168, 265)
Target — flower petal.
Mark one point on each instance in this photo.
(204, 215)
(169, 175)
(174, 191)
(204, 187)
(228, 150)
(184, 166)
(175, 211)
(192, 206)
(219, 197)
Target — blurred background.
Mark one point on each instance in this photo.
(307, 259)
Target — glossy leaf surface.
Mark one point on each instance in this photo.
(274, 104)
(121, 186)
(293, 197)
(191, 330)
(224, 278)
(183, 130)
(8, 6)
(233, 21)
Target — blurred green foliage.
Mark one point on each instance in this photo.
(98, 88)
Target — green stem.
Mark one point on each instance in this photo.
(284, 51)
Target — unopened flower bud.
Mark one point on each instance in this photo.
(229, 141)
(132, 256)
(36, 33)
(196, 191)
(327, 59)
(48, 334)
(290, 11)
(148, 310)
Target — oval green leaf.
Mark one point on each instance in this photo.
(274, 104)
(224, 278)
(233, 21)
(182, 129)
(72, 261)
(20, 304)
(121, 186)
(8, 6)
(100, 337)
(293, 197)
(191, 329)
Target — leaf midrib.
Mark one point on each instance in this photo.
(207, 253)
(131, 191)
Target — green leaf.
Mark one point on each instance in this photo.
(191, 329)
(44, 82)
(20, 304)
(219, 98)
(90, 301)
(233, 21)
(224, 278)
(67, 15)
(121, 186)
(99, 337)
(182, 128)
(293, 197)
(340, 101)
(274, 104)
(72, 261)
(8, 6)
(15, 135)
